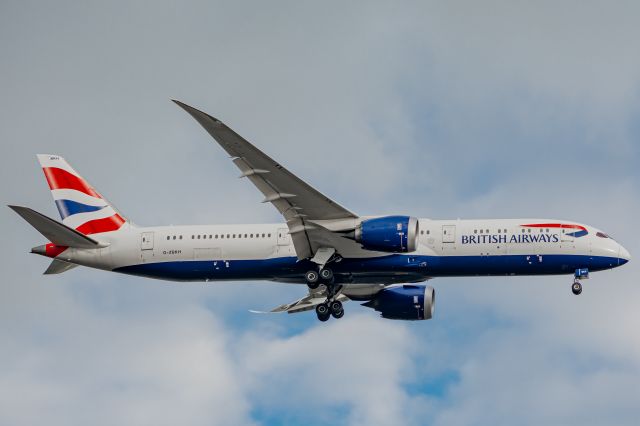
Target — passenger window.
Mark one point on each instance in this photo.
(269, 235)
(168, 237)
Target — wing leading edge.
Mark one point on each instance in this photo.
(297, 201)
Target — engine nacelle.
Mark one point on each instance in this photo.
(395, 234)
(406, 302)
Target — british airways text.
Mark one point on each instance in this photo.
(513, 239)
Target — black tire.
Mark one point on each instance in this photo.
(326, 274)
(338, 315)
(576, 288)
(335, 306)
(311, 277)
(322, 311)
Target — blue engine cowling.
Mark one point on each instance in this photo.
(394, 234)
(405, 302)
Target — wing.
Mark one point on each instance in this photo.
(298, 202)
(307, 303)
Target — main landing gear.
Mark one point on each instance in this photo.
(314, 279)
(580, 274)
(331, 307)
(324, 275)
(326, 310)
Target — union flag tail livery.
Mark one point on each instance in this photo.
(81, 207)
(334, 253)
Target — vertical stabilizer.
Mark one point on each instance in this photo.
(81, 207)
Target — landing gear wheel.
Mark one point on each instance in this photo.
(336, 309)
(322, 311)
(576, 288)
(312, 278)
(326, 274)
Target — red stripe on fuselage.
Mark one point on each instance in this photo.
(555, 225)
(97, 226)
(61, 179)
(52, 250)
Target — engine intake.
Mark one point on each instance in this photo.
(395, 234)
(406, 302)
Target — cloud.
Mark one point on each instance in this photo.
(134, 367)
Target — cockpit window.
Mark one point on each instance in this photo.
(602, 235)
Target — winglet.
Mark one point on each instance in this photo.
(195, 113)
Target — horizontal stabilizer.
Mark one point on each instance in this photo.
(58, 267)
(56, 232)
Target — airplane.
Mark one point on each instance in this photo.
(381, 261)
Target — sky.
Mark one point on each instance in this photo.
(458, 109)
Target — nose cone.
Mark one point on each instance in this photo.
(623, 256)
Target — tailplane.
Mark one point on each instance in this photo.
(59, 234)
(81, 207)
(58, 267)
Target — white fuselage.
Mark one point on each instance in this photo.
(265, 251)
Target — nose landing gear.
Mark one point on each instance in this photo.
(580, 274)
(576, 288)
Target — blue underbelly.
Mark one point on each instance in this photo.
(412, 268)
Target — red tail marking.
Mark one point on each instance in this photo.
(52, 250)
(61, 179)
(97, 226)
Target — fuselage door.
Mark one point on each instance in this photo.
(283, 236)
(146, 241)
(448, 233)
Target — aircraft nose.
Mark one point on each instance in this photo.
(623, 255)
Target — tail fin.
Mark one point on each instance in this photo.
(81, 207)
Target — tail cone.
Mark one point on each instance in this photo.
(41, 250)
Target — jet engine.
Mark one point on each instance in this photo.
(394, 234)
(405, 302)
